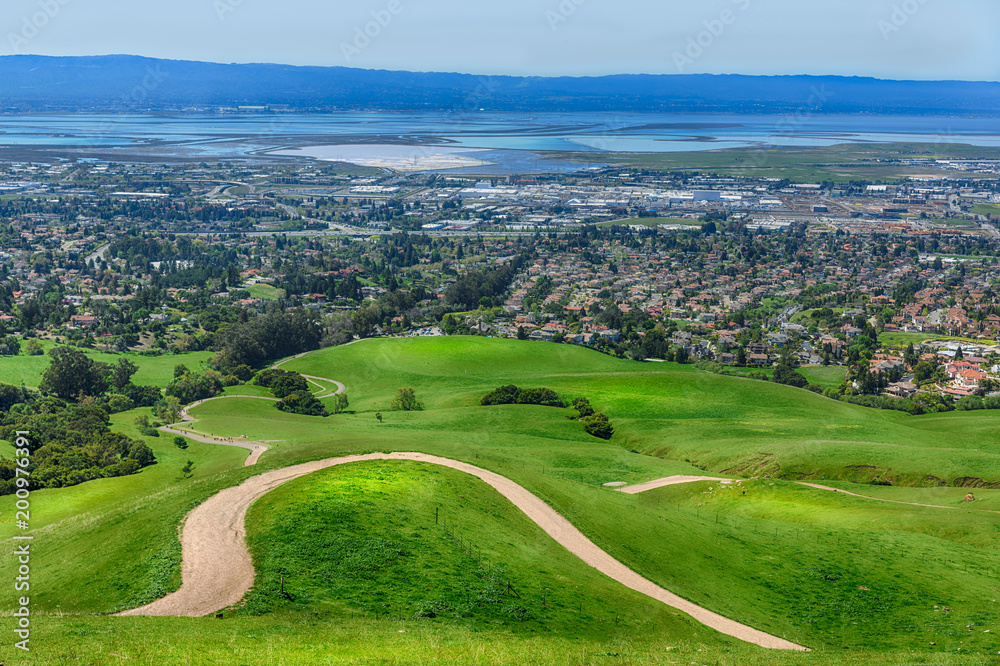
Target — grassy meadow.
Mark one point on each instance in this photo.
(399, 562)
(838, 163)
(153, 370)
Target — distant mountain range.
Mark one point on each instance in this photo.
(123, 83)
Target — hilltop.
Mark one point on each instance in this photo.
(122, 82)
(368, 570)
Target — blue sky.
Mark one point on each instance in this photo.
(912, 39)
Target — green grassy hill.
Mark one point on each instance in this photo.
(153, 370)
(860, 581)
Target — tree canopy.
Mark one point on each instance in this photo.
(73, 375)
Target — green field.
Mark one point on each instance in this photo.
(805, 317)
(827, 377)
(266, 292)
(839, 163)
(901, 340)
(365, 564)
(153, 370)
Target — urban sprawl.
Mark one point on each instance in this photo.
(882, 294)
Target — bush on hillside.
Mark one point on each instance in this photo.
(168, 410)
(69, 444)
(885, 402)
(512, 395)
(291, 383)
(970, 404)
(281, 382)
(243, 372)
(583, 406)
(119, 403)
(10, 346)
(191, 387)
(11, 395)
(598, 425)
(302, 402)
(406, 401)
(785, 374)
(142, 396)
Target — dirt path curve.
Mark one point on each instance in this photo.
(669, 481)
(340, 387)
(880, 499)
(217, 570)
(257, 449)
(675, 480)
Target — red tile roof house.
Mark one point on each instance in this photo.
(970, 378)
(82, 321)
(958, 366)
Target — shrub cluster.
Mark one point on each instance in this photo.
(598, 425)
(923, 403)
(69, 444)
(406, 401)
(191, 387)
(268, 336)
(10, 346)
(595, 423)
(302, 402)
(512, 395)
(282, 382)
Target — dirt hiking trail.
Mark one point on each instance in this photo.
(217, 570)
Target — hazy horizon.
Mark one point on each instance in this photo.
(897, 40)
(495, 74)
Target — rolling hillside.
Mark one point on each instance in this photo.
(398, 562)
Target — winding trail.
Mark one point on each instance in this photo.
(313, 380)
(675, 480)
(668, 481)
(257, 449)
(217, 570)
(880, 499)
